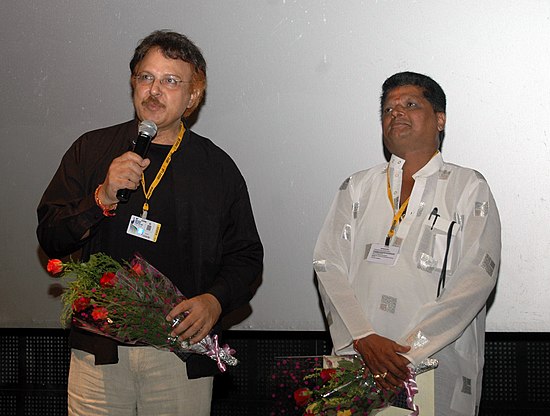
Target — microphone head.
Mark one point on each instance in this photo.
(148, 128)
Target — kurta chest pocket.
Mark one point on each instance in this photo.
(438, 245)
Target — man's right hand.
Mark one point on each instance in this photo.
(124, 173)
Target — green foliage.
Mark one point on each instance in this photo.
(82, 278)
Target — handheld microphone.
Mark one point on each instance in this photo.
(146, 131)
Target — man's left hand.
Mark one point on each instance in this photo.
(203, 312)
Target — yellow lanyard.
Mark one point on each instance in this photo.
(160, 173)
(398, 214)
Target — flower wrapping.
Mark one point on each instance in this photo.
(129, 304)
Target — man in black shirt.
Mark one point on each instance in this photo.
(208, 244)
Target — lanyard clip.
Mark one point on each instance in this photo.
(145, 209)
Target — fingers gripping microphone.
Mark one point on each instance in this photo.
(146, 131)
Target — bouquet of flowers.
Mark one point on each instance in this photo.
(129, 304)
(341, 388)
(338, 386)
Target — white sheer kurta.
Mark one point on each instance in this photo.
(400, 302)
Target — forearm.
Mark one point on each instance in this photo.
(233, 283)
(63, 227)
(241, 261)
(441, 322)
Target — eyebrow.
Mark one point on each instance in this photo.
(167, 74)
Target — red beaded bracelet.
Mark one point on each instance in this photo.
(107, 209)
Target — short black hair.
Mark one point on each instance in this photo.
(174, 45)
(432, 90)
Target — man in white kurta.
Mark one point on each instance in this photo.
(377, 283)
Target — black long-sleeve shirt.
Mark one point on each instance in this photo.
(211, 244)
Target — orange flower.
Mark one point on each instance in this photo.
(54, 266)
(108, 279)
(137, 268)
(100, 313)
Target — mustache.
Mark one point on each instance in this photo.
(152, 100)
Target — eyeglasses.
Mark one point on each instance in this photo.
(170, 81)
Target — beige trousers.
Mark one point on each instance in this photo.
(145, 382)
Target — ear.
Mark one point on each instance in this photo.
(441, 119)
(195, 95)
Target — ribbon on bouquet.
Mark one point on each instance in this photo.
(412, 389)
(220, 354)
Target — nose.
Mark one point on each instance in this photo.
(155, 89)
(397, 111)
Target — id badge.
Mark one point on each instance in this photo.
(382, 254)
(143, 228)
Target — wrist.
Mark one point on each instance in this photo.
(108, 209)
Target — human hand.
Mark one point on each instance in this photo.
(383, 361)
(203, 312)
(123, 173)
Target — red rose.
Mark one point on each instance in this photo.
(327, 374)
(301, 396)
(108, 279)
(100, 313)
(54, 266)
(80, 304)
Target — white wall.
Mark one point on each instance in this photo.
(293, 97)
